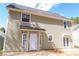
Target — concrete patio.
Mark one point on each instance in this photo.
(65, 52)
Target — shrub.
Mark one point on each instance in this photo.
(76, 46)
(1, 42)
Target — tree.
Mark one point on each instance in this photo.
(2, 29)
(1, 42)
(76, 19)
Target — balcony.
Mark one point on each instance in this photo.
(27, 25)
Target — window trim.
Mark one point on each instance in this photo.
(23, 39)
(26, 14)
(65, 24)
(48, 38)
(66, 41)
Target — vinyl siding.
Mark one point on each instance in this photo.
(13, 42)
(54, 27)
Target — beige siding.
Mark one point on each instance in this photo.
(53, 27)
(13, 42)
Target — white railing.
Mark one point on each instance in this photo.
(25, 24)
(28, 24)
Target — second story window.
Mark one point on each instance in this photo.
(25, 18)
(65, 24)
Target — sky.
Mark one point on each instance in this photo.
(65, 9)
(3, 15)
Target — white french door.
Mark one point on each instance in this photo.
(66, 41)
(33, 41)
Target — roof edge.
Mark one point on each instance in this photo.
(40, 12)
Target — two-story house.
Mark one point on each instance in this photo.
(32, 29)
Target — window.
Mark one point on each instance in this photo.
(65, 24)
(50, 38)
(66, 41)
(25, 18)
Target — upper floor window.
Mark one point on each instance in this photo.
(25, 18)
(65, 24)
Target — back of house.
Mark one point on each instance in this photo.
(33, 29)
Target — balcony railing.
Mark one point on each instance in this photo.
(28, 24)
(25, 24)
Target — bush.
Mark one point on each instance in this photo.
(76, 46)
(1, 42)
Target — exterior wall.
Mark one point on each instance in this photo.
(53, 27)
(13, 41)
(75, 36)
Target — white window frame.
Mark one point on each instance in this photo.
(26, 14)
(23, 39)
(52, 38)
(66, 43)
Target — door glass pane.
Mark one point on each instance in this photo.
(24, 40)
(24, 44)
(24, 36)
(67, 41)
(64, 41)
